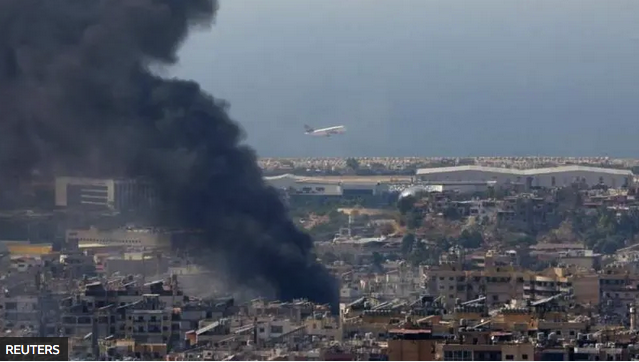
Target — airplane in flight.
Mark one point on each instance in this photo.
(325, 132)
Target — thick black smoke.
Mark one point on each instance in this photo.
(77, 98)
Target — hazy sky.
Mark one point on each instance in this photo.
(426, 78)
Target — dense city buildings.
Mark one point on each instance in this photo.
(454, 263)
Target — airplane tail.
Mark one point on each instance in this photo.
(308, 128)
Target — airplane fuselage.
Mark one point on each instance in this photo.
(327, 132)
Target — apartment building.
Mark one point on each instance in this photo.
(541, 286)
(499, 284)
(271, 327)
(20, 311)
(323, 326)
(485, 352)
(411, 345)
(583, 259)
(525, 211)
(149, 325)
(479, 209)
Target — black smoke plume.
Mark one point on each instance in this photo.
(77, 98)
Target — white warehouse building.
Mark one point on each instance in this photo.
(539, 177)
(302, 185)
(324, 187)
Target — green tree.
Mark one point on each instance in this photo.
(604, 230)
(408, 241)
(470, 239)
(414, 219)
(628, 224)
(451, 213)
(378, 262)
(393, 257)
(352, 163)
(406, 204)
(609, 245)
(385, 229)
(524, 241)
(420, 254)
(444, 243)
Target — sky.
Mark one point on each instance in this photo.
(448, 78)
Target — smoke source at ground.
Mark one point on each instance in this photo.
(77, 98)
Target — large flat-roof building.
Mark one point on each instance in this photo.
(118, 194)
(538, 177)
(129, 237)
(320, 186)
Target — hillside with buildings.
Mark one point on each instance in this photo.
(528, 264)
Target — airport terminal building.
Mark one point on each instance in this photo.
(539, 177)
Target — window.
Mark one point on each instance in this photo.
(457, 356)
(524, 357)
(277, 329)
(510, 357)
(448, 356)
